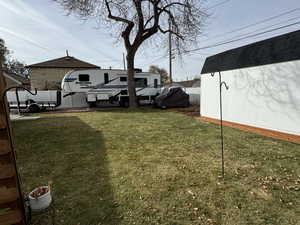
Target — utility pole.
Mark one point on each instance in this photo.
(124, 62)
(170, 52)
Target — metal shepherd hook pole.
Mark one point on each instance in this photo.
(221, 117)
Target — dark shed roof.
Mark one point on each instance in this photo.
(63, 62)
(282, 48)
(22, 80)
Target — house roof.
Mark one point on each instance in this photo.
(63, 62)
(16, 78)
(282, 48)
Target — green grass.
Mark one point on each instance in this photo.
(157, 167)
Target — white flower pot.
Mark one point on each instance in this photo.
(41, 202)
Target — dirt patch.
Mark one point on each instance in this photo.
(256, 130)
(193, 110)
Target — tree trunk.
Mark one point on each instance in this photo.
(131, 81)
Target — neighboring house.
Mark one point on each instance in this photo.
(48, 75)
(264, 85)
(187, 84)
(13, 80)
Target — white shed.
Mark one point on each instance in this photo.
(264, 84)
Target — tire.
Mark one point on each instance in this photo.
(34, 108)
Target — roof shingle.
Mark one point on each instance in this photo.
(63, 62)
(278, 49)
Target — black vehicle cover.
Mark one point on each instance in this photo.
(172, 97)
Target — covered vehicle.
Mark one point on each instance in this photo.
(172, 97)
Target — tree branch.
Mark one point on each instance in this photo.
(171, 4)
(170, 31)
(128, 29)
(138, 6)
(116, 18)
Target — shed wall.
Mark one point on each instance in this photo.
(264, 96)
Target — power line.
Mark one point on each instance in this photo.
(211, 7)
(254, 24)
(233, 40)
(109, 60)
(161, 57)
(243, 28)
(264, 28)
(239, 39)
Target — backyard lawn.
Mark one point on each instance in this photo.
(157, 167)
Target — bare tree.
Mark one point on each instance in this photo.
(4, 52)
(11, 64)
(136, 21)
(164, 76)
(17, 67)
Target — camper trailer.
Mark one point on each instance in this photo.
(107, 85)
(40, 101)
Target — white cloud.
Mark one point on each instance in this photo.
(24, 38)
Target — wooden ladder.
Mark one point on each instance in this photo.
(11, 201)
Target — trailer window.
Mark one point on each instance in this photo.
(141, 82)
(106, 78)
(84, 77)
(123, 79)
(155, 83)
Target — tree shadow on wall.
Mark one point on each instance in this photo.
(276, 84)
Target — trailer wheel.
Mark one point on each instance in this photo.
(34, 108)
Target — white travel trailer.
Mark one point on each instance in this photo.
(40, 101)
(110, 85)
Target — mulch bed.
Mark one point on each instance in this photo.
(194, 111)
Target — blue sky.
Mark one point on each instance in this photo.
(38, 30)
